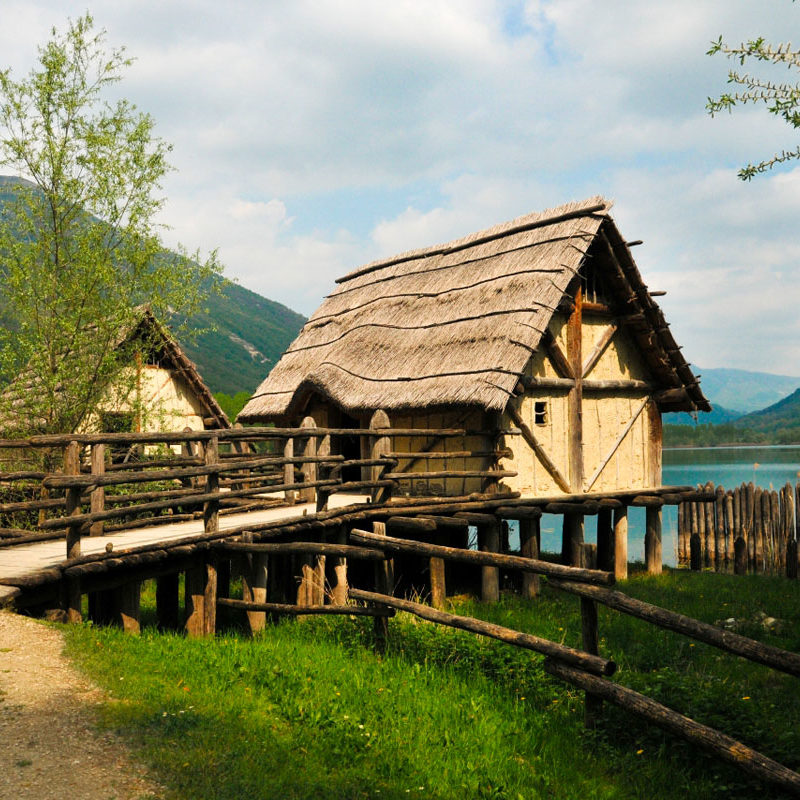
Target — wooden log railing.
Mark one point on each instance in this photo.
(215, 470)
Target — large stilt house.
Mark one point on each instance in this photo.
(537, 336)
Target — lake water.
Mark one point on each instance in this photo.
(724, 466)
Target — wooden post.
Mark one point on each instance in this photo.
(128, 597)
(194, 590)
(780, 545)
(682, 538)
(621, 543)
(438, 587)
(211, 507)
(323, 471)
(701, 531)
(289, 495)
(529, 533)
(72, 466)
(730, 532)
(254, 585)
(708, 508)
(695, 553)
(652, 541)
(791, 559)
(489, 541)
(309, 469)
(739, 556)
(380, 446)
(167, 604)
(210, 597)
(571, 539)
(339, 591)
(384, 584)
(575, 396)
(593, 705)
(605, 540)
(722, 554)
(98, 494)
(318, 586)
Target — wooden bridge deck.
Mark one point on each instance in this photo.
(18, 561)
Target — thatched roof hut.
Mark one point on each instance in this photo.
(161, 389)
(456, 324)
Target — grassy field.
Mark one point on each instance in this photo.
(308, 710)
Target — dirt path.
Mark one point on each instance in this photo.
(48, 745)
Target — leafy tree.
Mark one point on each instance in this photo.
(79, 247)
(781, 98)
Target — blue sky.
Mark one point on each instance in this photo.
(311, 136)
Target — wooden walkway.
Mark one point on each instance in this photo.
(18, 561)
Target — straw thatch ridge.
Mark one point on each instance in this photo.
(451, 325)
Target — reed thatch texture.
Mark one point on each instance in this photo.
(453, 325)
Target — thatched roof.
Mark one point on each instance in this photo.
(456, 324)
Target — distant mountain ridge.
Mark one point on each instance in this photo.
(246, 337)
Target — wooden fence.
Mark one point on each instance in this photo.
(584, 668)
(748, 529)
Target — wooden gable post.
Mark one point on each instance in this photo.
(572, 540)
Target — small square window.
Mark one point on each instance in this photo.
(540, 412)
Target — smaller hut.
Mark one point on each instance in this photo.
(159, 390)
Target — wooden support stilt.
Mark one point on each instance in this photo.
(529, 538)
(254, 585)
(71, 602)
(167, 601)
(339, 590)
(438, 587)
(652, 541)
(621, 543)
(489, 541)
(210, 598)
(605, 541)
(194, 591)
(128, 602)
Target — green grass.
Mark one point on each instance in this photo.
(307, 709)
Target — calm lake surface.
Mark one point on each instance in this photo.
(724, 466)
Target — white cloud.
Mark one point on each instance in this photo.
(451, 115)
